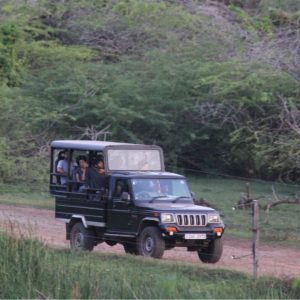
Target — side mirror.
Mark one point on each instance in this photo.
(125, 197)
(193, 195)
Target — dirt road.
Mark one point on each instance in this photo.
(40, 223)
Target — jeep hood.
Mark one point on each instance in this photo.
(174, 207)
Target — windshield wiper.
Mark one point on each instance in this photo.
(158, 197)
(180, 197)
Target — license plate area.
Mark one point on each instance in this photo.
(195, 236)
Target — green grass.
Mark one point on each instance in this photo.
(26, 195)
(31, 270)
(284, 223)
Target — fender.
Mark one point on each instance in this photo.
(151, 219)
(82, 218)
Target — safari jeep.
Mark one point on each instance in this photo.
(141, 206)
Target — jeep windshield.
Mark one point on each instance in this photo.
(161, 189)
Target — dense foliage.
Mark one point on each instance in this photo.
(215, 83)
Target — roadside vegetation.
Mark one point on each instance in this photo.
(23, 195)
(40, 272)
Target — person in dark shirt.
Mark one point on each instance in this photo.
(79, 173)
(95, 177)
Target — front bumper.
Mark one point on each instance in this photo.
(186, 235)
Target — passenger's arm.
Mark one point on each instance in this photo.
(59, 167)
(77, 177)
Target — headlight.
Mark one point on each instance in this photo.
(167, 218)
(213, 218)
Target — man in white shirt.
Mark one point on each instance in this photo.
(63, 168)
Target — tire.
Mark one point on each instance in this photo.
(151, 243)
(130, 248)
(212, 253)
(81, 238)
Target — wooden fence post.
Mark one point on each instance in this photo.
(255, 236)
(248, 192)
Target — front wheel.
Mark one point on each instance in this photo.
(212, 253)
(151, 243)
(81, 238)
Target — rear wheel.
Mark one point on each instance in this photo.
(81, 238)
(212, 253)
(151, 243)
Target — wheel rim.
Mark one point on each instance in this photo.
(78, 240)
(148, 244)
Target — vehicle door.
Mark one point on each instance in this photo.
(120, 209)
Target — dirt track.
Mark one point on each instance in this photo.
(40, 223)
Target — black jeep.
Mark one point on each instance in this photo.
(141, 206)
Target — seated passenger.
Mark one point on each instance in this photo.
(79, 174)
(60, 156)
(95, 177)
(63, 168)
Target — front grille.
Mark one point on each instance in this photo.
(191, 219)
